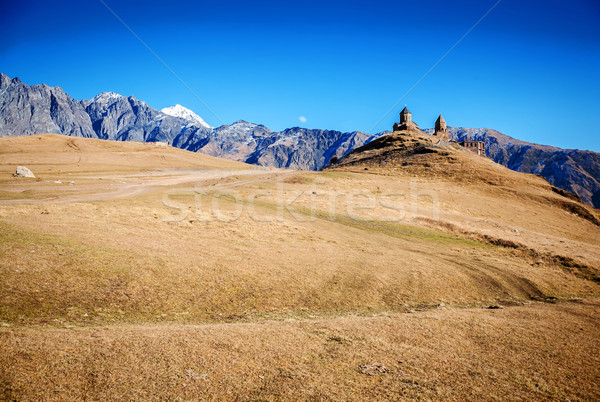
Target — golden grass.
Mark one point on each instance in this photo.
(539, 351)
(128, 265)
(119, 287)
(51, 154)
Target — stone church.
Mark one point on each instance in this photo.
(440, 131)
(406, 122)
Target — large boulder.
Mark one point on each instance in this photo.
(22, 171)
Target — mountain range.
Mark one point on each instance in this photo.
(30, 110)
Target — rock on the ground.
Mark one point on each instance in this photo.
(22, 171)
(372, 369)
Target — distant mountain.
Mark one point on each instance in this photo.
(187, 114)
(293, 148)
(112, 116)
(28, 110)
(235, 141)
(306, 149)
(116, 117)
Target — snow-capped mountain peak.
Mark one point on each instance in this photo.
(185, 113)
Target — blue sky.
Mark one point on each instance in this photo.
(529, 69)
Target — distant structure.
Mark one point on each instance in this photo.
(440, 131)
(160, 143)
(477, 147)
(406, 122)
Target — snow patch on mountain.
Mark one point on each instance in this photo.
(103, 98)
(185, 113)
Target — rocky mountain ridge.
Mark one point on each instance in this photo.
(29, 110)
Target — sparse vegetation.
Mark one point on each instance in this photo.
(109, 292)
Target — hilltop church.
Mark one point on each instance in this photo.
(440, 131)
(406, 122)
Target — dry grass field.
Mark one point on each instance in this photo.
(136, 271)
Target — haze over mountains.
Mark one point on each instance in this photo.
(30, 110)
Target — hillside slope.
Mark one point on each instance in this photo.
(125, 277)
(491, 185)
(573, 170)
(52, 153)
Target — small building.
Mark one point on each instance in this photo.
(406, 122)
(441, 130)
(477, 147)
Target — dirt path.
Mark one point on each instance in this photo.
(125, 187)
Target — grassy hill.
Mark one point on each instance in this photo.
(164, 273)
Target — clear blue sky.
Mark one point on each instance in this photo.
(529, 70)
